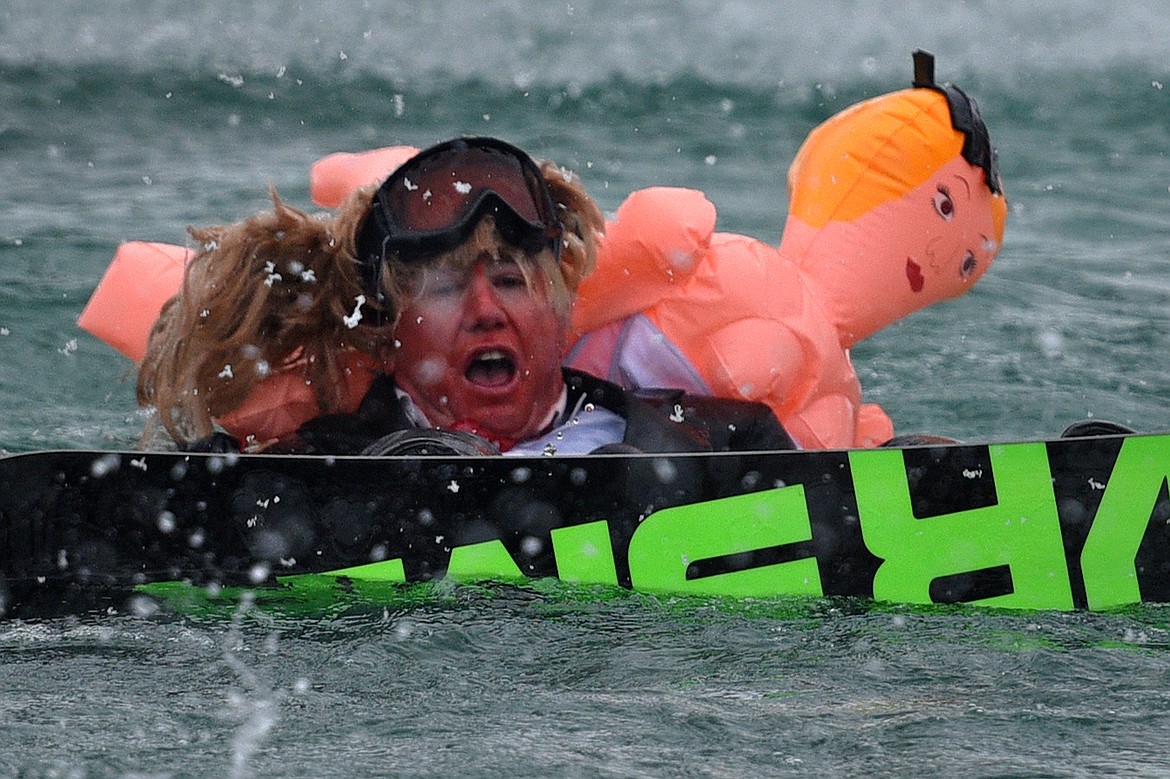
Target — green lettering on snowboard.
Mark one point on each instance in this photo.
(487, 560)
(384, 571)
(1022, 531)
(1107, 561)
(584, 554)
(668, 541)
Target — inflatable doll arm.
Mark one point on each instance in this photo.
(752, 359)
(834, 421)
(284, 400)
(874, 426)
(144, 275)
(656, 240)
(334, 178)
(141, 278)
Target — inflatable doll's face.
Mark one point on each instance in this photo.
(903, 255)
(943, 235)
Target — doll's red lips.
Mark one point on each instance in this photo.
(914, 275)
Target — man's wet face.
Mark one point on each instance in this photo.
(480, 346)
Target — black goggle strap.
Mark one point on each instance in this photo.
(371, 247)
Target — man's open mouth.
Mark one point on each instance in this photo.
(491, 368)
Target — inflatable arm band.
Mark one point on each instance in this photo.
(140, 280)
(143, 276)
(334, 178)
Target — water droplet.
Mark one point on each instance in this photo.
(142, 606)
(166, 521)
(104, 465)
(665, 470)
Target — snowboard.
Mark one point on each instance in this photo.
(1073, 523)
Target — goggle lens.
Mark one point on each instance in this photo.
(434, 200)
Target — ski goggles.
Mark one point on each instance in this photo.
(434, 200)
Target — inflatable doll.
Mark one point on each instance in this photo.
(895, 204)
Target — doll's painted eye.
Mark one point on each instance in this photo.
(943, 203)
(969, 265)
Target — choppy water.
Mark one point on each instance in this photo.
(502, 683)
(128, 120)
